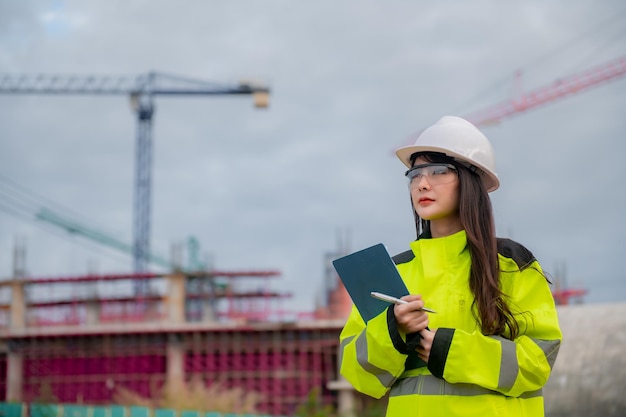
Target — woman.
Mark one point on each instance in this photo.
(491, 345)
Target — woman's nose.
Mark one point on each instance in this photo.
(423, 183)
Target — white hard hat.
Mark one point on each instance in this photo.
(460, 140)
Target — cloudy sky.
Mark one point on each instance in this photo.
(350, 80)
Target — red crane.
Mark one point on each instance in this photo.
(558, 89)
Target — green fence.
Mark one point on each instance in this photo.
(72, 410)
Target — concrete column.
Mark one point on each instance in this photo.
(346, 403)
(93, 311)
(175, 298)
(175, 371)
(208, 312)
(18, 305)
(14, 376)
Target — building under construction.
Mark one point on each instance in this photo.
(81, 340)
(86, 339)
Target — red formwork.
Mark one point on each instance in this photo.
(68, 300)
(82, 346)
(280, 365)
(88, 369)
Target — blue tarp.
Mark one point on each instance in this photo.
(73, 410)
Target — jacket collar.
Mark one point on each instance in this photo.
(447, 247)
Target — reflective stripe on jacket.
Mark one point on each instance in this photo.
(468, 373)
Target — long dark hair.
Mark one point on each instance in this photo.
(476, 216)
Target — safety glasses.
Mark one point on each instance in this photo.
(435, 174)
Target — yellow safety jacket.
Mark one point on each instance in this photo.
(468, 373)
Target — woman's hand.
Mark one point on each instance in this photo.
(426, 343)
(410, 317)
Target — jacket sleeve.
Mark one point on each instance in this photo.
(368, 359)
(511, 367)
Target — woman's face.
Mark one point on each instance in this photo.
(435, 193)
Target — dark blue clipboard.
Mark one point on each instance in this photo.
(367, 270)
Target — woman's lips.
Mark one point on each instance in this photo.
(425, 201)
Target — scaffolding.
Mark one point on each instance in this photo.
(83, 339)
(280, 365)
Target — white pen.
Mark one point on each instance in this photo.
(395, 300)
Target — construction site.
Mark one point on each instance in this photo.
(92, 338)
(100, 339)
(84, 348)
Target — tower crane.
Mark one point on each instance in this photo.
(560, 88)
(142, 90)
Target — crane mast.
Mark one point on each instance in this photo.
(144, 109)
(142, 90)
